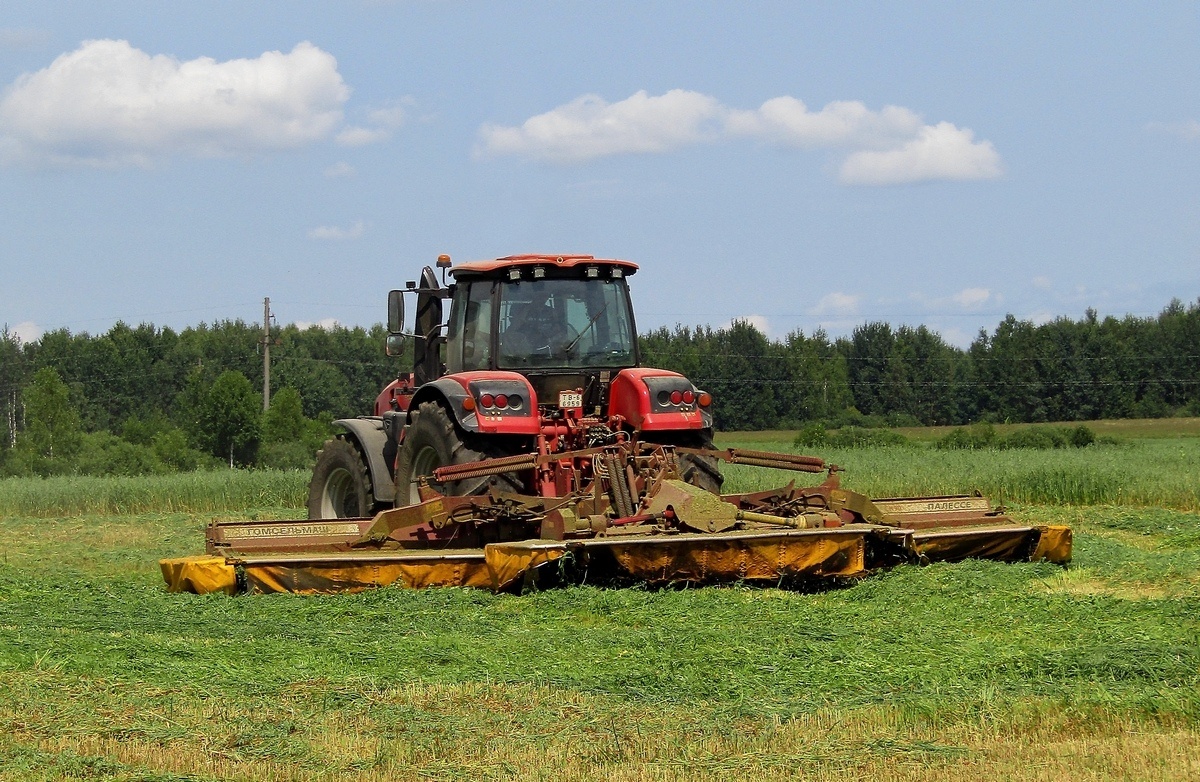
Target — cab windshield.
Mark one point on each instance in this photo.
(567, 323)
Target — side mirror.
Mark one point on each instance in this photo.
(395, 344)
(395, 313)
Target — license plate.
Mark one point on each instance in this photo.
(570, 400)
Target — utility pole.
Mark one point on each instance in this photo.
(12, 418)
(266, 346)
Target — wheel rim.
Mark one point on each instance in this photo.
(339, 500)
(424, 462)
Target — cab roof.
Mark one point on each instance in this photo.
(554, 261)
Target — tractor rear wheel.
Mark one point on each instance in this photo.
(433, 441)
(341, 485)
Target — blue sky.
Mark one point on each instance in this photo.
(799, 165)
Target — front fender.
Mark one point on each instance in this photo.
(454, 391)
(367, 433)
(637, 395)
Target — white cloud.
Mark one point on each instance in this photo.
(1043, 282)
(325, 324)
(380, 125)
(107, 104)
(392, 117)
(589, 127)
(969, 298)
(837, 304)
(337, 233)
(787, 120)
(759, 322)
(1188, 130)
(340, 169)
(939, 152)
(957, 337)
(885, 147)
(26, 331)
(1041, 317)
(359, 137)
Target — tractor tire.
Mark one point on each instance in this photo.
(341, 485)
(433, 441)
(701, 471)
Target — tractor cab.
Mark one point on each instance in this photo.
(564, 322)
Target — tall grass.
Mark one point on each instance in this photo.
(194, 492)
(1147, 473)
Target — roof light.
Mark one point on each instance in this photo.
(591, 272)
(539, 272)
(514, 274)
(617, 272)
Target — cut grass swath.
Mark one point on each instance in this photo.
(946, 672)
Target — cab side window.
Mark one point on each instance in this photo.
(477, 327)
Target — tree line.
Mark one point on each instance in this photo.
(145, 399)
(1022, 372)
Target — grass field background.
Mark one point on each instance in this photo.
(944, 672)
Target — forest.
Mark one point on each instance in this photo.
(146, 399)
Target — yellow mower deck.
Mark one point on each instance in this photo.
(697, 558)
(636, 521)
(325, 559)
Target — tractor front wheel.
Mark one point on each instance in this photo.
(433, 441)
(341, 486)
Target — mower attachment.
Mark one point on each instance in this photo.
(634, 520)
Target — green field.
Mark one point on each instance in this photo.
(945, 672)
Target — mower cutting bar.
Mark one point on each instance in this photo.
(748, 556)
(770, 556)
(377, 557)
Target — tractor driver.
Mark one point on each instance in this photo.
(534, 328)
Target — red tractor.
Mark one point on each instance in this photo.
(539, 356)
